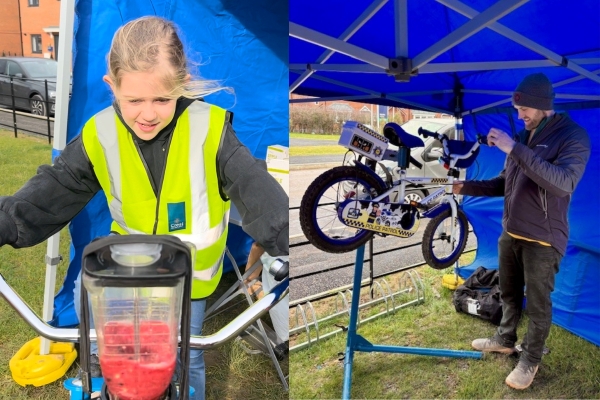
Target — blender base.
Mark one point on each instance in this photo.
(74, 386)
(170, 394)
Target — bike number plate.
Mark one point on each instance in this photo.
(363, 140)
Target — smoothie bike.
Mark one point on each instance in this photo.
(139, 287)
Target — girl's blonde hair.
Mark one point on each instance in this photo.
(142, 44)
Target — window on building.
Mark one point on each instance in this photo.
(36, 43)
(33, 3)
(418, 114)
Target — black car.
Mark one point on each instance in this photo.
(28, 83)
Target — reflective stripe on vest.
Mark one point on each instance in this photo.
(189, 203)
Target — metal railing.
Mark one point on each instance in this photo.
(19, 105)
(409, 284)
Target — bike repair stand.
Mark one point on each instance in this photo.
(356, 342)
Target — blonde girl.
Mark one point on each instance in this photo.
(167, 162)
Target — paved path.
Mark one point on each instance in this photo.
(312, 142)
(317, 160)
(28, 122)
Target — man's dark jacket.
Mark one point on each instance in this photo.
(538, 180)
(49, 200)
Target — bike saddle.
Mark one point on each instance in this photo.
(399, 137)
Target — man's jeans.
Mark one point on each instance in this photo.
(196, 377)
(530, 266)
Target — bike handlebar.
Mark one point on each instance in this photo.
(425, 133)
(481, 139)
(225, 334)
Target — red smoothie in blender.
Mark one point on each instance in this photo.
(142, 376)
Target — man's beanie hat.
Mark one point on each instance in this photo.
(534, 91)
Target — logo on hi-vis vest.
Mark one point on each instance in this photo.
(176, 212)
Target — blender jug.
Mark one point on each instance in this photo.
(138, 286)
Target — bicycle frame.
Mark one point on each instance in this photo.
(446, 191)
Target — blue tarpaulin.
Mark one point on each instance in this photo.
(242, 44)
(465, 58)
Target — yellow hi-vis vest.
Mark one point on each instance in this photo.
(189, 204)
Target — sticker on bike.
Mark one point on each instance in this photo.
(400, 220)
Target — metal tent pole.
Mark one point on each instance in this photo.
(61, 109)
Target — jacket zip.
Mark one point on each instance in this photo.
(160, 182)
(162, 178)
(544, 200)
(511, 197)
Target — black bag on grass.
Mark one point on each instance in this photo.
(480, 296)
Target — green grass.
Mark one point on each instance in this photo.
(316, 150)
(231, 373)
(571, 370)
(315, 136)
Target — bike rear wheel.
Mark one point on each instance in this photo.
(319, 208)
(439, 251)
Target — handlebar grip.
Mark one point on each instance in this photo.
(279, 269)
(416, 163)
(482, 139)
(425, 133)
(283, 272)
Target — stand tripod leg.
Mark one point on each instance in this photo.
(352, 336)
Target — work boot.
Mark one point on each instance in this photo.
(522, 376)
(492, 346)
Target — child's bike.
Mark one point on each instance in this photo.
(345, 206)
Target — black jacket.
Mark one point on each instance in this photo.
(538, 180)
(56, 194)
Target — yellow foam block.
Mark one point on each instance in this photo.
(452, 281)
(28, 367)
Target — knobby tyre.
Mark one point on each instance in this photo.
(437, 238)
(319, 206)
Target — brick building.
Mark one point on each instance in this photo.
(39, 27)
(10, 29)
(350, 109)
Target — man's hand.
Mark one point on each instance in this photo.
(501, 140)
(457, 187)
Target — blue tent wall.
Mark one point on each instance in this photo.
(576, 298)
(242, 44)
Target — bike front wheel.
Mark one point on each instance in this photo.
(319, 208)
(438, 249)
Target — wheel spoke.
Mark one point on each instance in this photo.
(329, 216)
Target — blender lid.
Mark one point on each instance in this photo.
(136, 254)
(137, 260)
